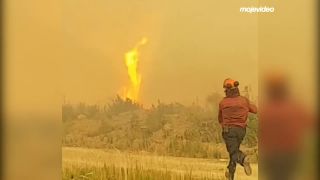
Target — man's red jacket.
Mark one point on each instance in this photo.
(233, 111)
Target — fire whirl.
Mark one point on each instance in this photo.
(132, 62)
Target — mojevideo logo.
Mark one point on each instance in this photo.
(264, 9)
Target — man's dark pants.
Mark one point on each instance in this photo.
(233, 137)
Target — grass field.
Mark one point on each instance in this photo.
(97, 164)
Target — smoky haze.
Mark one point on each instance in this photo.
(192, 47)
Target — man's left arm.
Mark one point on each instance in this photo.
(220, 114)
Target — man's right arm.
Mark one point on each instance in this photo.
(252, 108)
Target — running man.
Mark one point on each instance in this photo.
(233, 114)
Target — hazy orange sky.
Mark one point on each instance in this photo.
(76, 48)
(191, 48)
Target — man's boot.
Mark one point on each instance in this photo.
(246, 166)
(229, 175)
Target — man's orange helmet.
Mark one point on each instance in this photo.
(230, 83)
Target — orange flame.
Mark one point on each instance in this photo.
(132, 60)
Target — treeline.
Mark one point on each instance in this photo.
(165, 129)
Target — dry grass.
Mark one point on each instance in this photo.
(81, 163)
